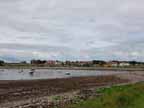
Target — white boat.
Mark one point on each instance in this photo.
(32, 71)
(67, 73)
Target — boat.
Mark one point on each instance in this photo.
(32, 71)
(67, 73)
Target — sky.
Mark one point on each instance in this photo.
(71, 30)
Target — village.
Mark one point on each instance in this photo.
(93, 63)
(58, 63)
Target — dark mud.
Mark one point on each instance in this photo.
(21, 90)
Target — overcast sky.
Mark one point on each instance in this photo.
(72, 29)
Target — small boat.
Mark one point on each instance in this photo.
(32, 71)
(67, 73)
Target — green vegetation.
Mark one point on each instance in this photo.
(130, 96)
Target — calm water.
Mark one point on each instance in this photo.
(16, 74)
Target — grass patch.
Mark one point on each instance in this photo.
(130, 96)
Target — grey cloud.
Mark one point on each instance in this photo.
(72, 29)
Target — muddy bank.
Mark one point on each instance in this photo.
(22, 90)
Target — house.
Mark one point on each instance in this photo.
(113, 63)
(124, 63)
(53, 63)
(85, 62)
(50, 62)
